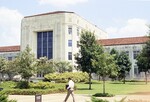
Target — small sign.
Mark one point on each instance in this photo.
(38, 98)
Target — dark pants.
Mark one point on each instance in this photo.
(68, 94)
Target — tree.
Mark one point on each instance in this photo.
(142, 64)
(45, 66)
(11, 68)
(2, 67)
(63, 66)
(84, 58)
(26, 62)
(143, 59)
(105, 65)
(124, 65)
(114, 53)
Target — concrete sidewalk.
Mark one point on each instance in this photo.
(50, 98)
(79, 98)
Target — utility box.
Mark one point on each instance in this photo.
(38, 98)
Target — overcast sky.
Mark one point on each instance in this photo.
(119, 18)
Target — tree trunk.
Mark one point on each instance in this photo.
(89, 81)
(103, 85)
(124, 79)
(146, 77)
(99, 77)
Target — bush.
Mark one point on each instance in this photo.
(63, 77)
(7, 84)
(33, 91)
(103, 95)
(4, 98)
(42, 85)
(23, 85)
(98, 100)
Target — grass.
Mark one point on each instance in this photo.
(116, 88)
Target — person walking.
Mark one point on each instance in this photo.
(70, 90)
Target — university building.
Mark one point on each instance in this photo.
(56, 34)
(9, 52)
(132, 46)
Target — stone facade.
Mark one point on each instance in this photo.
(65, 28)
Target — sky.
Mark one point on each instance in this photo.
(119, 18)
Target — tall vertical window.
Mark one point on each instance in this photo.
(69, 29)
(69, 43)
(45, 44)
(136, 71)
(69, 55)
(135, 54)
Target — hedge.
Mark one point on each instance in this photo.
(63, 77)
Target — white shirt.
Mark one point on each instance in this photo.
(71, 85)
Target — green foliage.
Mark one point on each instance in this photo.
(103, 95)
(124, 65)
(33, 91)
(2, 66)
(23, 85)
(11, 68)
(63, 66)
(143, 59)
(93, 99)
(7, 84)
(105, 65)
(42, 85)
(4, 98)
(63, 77)
(45, 66)
(26, 64)
(86, 53)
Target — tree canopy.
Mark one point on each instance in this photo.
(124, 65)
(84, 58)
(26, 62)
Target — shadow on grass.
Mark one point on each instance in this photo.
(136, 83)
(129, 83)
(83, 89)
(116, 83)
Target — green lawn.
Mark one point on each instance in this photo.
(116, 88)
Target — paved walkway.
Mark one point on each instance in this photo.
(79, 98)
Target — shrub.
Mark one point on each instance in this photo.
(4, 98)
(103, 95)
(7, 84)
(42, 85)
(93, 99)
(63, 77)
(33, 91)
(23, 85)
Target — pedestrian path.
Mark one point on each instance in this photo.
(50, 98)
(79, 98)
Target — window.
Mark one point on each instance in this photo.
(127, 53)
(70, 30)
(135, 54)
(69, 43)
(9, 58)
(136, 71)
(45, 44)
(69, 55)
